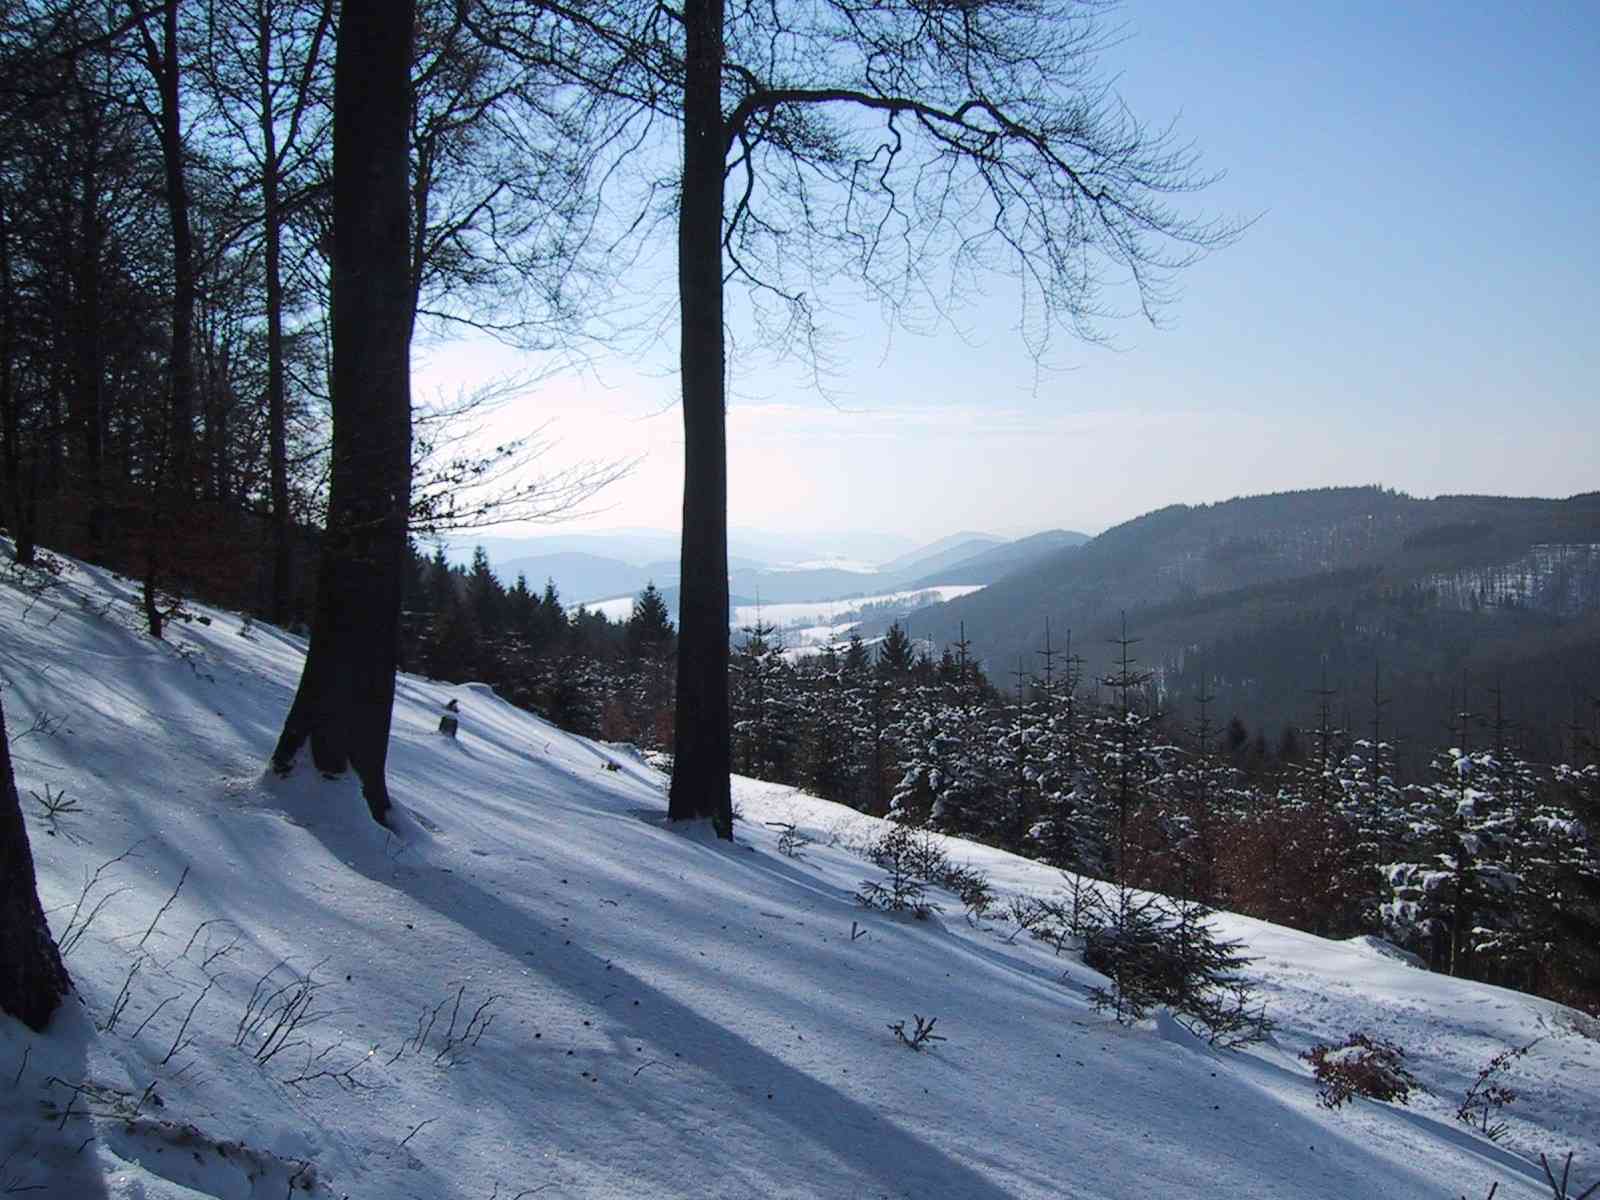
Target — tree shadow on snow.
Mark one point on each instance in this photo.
(723, 1143)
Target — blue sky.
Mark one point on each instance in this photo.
(1413, 305)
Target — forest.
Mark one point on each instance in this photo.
(1483, 862)
(168, 366)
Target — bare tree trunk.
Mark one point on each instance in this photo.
(88, 353)
(175, 480)
(346, 696)
(701, 763)
(10, 453)
(277, 440)
(166, 70)
(32, 977)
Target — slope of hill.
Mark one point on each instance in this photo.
(534, 985)
(1268, 595)
(951, 548)
(1005, 559)
(579, 576)
(941, 556)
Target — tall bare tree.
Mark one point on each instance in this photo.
(265, 63)
(916, 145)
(345, 699)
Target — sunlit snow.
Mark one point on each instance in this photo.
(644, 1011)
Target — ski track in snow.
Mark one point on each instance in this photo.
(668, 1015)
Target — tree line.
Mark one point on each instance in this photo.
(1486, 864)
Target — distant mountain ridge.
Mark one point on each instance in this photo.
(1266, 595)
(585, 577)
(1005, 558)
(951, 548)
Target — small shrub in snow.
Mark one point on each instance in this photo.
(278, 1013)
(1561, 1190)
(1362, 1066)
(1159, 952)
(1481, 1105)
(971, 886)
(919, 1036)
(791, 842)
(905, 889)
(926, 856)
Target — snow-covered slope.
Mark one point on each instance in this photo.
(643, 1011)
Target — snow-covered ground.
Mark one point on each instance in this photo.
(270, 982)
(854, 565)
(834, 614)
(811, 621)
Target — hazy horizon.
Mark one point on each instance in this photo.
(1411, 306)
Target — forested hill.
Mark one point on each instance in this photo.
(1269, 596)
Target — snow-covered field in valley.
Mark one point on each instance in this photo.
(811, 621)
(536, 986)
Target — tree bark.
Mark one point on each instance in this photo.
(20, 497)
(166, 70)
(277, 440)
(10, 457)
(346, 696)
(32, 977)
(88, 352)
(702, 761)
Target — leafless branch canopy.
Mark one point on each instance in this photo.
(918, 147)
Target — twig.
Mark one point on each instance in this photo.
(73, 933)
(120, 1004)
(345, 1077)
(417, 1128)
(134, 1036)
(162, 911)
(1559, 1191)
(177, 1041)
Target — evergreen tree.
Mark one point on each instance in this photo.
(441, 582)
(826, 765)
(522, 610)
(896, 655)
(649, 633)
(856, 660)
(763, 728)
(1573, 881)
(486, 595)
(551, 623)
(1123, 736)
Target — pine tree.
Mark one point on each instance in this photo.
(1202, 781)
(648, 632)
(1124, 744)
(856, 660)
(826, 765)
(763, 729)
(522, 609)
(486, 595)
(896, 654)
(1073, 828)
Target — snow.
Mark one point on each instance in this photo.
(668, 1015)
(855, 566)
(831, 612)
(811, 622)
(614, 608)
